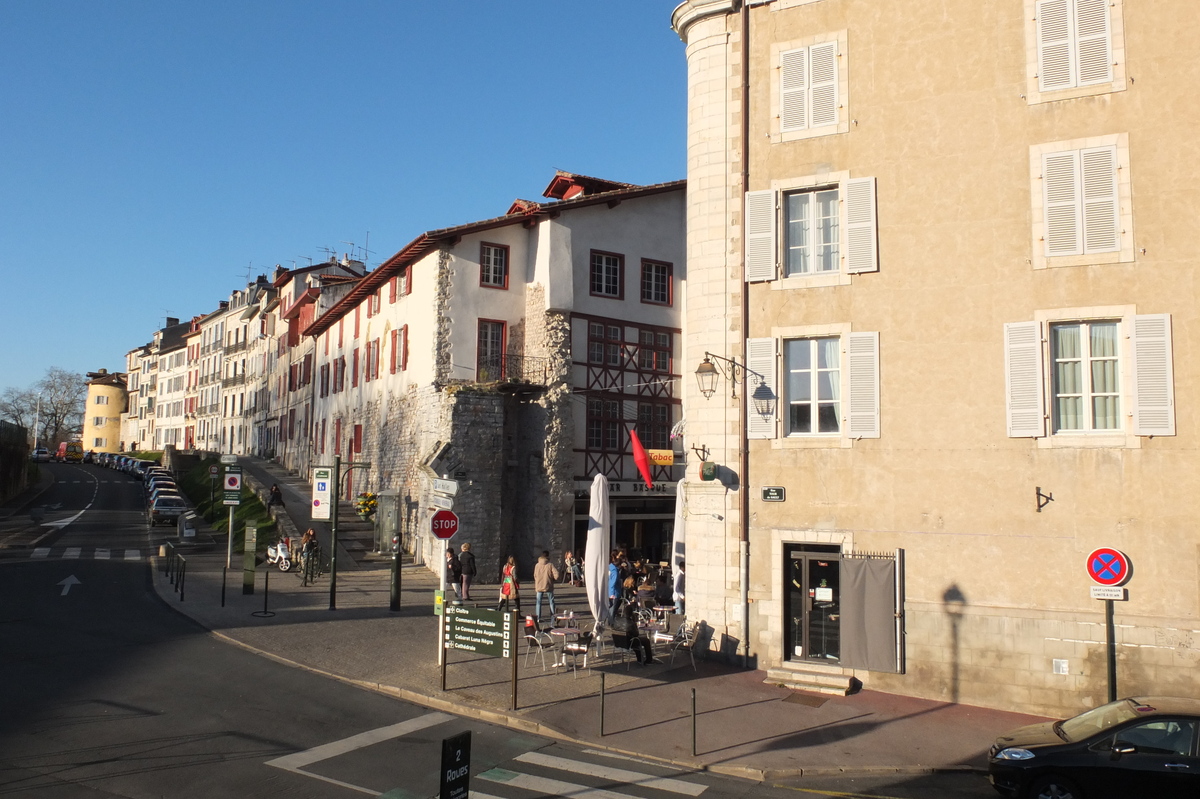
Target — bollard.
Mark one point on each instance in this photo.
(601, 704)
(694, 722)
(224, 575)
(182, 577)
(264, 613)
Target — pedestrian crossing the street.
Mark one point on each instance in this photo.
(78, 553)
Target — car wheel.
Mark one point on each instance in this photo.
(1054, 787)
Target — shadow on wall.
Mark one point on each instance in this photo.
(954, 602)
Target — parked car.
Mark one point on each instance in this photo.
(160, 482)
(165, 491)
(40, 455)
(1138, 747)
(165, 510)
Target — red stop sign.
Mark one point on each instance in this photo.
(444, 524)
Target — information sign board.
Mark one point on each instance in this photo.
(482, 631)
(456, 766)
(1109, 592)
(322, 493)
(439, 501)
(229, 460)
(446, 487)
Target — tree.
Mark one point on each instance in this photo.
(56, 402)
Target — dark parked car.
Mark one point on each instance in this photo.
(1132, 748)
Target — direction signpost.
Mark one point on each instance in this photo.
(233, 498)
(1110, 568)
(443, 525)
(482, 632)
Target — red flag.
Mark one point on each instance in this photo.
(641, 458)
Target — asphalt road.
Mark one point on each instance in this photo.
(108, 692)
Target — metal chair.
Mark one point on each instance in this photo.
(684, 638)
(580, 646)
(536, 641)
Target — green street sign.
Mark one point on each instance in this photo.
(485, 632)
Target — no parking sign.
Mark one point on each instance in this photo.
(1109, 567)
(233, 485)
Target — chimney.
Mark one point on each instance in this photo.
(172, 321)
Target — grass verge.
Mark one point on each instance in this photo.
(208, 497)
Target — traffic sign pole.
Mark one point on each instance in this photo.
(442, 620)
(1111, 568)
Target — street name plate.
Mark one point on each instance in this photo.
(438, 501)
(1109, 592)
(485, 632)
(773, 494)
(229, 460)
(446, 486)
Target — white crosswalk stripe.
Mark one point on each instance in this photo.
(611, 773)
(41, 552)
(133, 554)
(72, 553)
(548, 787)
(77, 553)
(102, 554)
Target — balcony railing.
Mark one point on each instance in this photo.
(237, 346)
(236, 380)
(514, 369)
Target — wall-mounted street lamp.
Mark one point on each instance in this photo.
(708, 374)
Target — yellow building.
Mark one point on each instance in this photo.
(953, 243)
(102, 416)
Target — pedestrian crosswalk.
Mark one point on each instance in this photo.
(542, 774)
(77, 553)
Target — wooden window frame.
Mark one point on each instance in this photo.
(592, 266)
(502, 248)
(648, 264)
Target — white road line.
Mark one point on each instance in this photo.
(478, 795)
(549, 787)
(71, 553)
(615, 774)
(40, 552)
(102, 554)
(133, 554)
(299, 760)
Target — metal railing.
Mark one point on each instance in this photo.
(175, 566)
(526, 369)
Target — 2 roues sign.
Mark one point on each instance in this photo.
(444, 524)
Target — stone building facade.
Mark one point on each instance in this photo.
(957, 257)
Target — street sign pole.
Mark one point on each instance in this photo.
(442, 620)
(1110, 568)
(333, 526)
(1111, 636)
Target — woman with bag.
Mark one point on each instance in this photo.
(509, 588)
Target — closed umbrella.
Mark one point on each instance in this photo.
(678, 536)
(596, 554)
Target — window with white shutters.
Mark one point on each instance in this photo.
(761, 383)
(808, 87)
(826, 230)
(1074, 43)
(1081, 201)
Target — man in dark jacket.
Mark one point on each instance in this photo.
(453, 571)
(625, 624)
(466, 560)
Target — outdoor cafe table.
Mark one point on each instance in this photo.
(560, 634)
(662, 610)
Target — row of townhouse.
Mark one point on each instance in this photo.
(513, 354)
(954, 242)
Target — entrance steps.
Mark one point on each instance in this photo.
(812, 676)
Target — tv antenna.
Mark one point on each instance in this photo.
(306, 258)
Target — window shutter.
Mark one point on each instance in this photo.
(760, 358)
(1093, 42)
(1023, 380)
(1055, 63)
(1153, 378)
(392, 352)
(1101, 222)
(392, 289)
(760, 235)
(1060, 188)
(793, 90)
(404, 347)
(861, 235)
(823, 84)
(863, 359)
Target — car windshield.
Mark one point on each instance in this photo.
(169, 502)
(1085, 725)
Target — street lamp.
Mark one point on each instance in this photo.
(709, 373)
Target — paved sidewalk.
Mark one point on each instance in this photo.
(744, 727)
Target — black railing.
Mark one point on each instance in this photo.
(524, 369)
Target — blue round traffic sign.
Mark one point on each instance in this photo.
(1108, 566)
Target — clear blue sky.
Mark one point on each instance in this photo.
(151, 152)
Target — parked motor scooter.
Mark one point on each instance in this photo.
(280, 554)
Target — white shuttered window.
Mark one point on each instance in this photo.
(760, 360)
(1074, 41)
(808, 87)
(1081, 201)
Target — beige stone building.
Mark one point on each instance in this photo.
(106, 400)
(952, 240)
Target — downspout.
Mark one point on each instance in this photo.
(744, 466)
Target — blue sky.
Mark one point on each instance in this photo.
(152, 152)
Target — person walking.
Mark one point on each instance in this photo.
(544, 577)
(453, 571)
(510, 590)
(466, 560)
(614, 584)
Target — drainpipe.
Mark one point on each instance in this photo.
(744, 466)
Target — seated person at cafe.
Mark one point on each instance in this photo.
(645, 594)
(625, 624)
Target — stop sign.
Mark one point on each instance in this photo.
(444, 524)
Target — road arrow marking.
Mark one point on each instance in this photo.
(67, 583)
(61, 523)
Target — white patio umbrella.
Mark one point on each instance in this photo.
(596, 555)
(678, 536)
